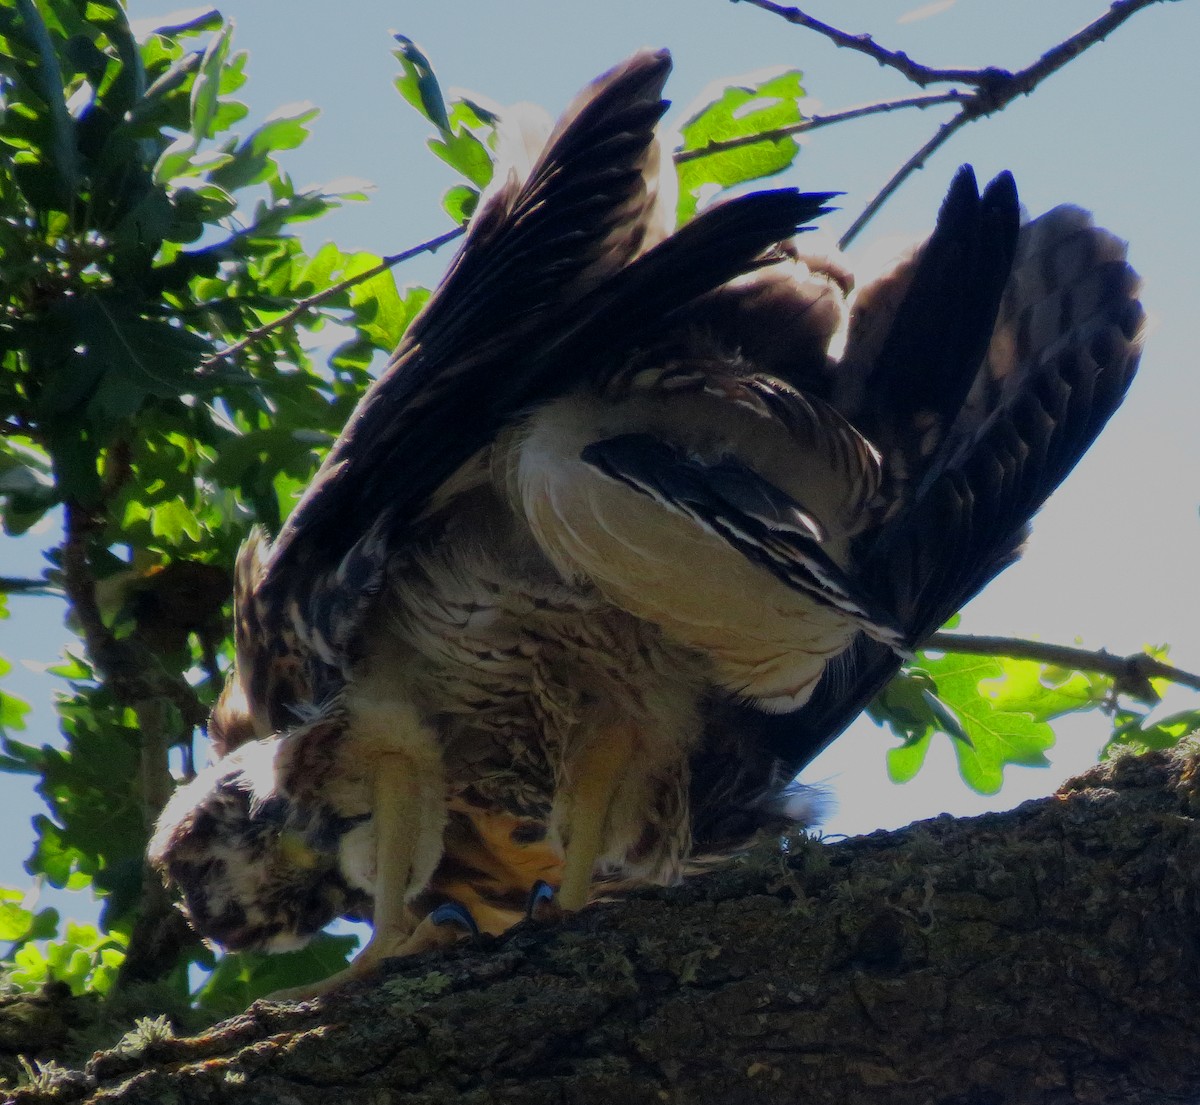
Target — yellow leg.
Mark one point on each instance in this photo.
(397, 816)
(597, 775)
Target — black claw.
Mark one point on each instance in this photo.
(451, 913)
(540, 893)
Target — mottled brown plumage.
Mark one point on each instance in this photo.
(614, 546)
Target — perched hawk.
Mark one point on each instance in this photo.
(614, 547)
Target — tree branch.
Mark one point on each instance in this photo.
(11, 585)
(132, 673)
(985, 78)
(918, 74)
(1035, 957)
(993, 88)
(260, 332)
(815, 122)
(940, 137)
(1069, 49)
(1130, 674)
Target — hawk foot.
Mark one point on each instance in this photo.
(543, 905)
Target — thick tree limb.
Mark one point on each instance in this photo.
(1046, 955)
(129, 670)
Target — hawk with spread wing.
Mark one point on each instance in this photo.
(614, 546)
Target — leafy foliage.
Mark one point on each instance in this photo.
(997, 710)
(12, 709)
(148, 255)
(465, 128)
(237, 980)
(742, 112)
(1138, 730)
(140, 235)
(86, 959)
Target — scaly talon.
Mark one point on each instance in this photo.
(452, 913)
(542, 905)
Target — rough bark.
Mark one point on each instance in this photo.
(1046, 955)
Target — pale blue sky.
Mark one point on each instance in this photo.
(1113, 558)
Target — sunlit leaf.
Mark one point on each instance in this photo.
(461, 150)
(240, 979)
(207, 89)
(173, 521)
(905, 761)
(467, 112)
(1043, 692)
(379, 311)
(743, 111)
(85, 959)
(15, 922)
(251, 160)
(208, 20)
(460, 202)
(1136, 732)
(417, 83)
(13, 710)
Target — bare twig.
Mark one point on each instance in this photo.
(1130, 674)
(815, 122)
(993, 89)
(260, 332)
(10, 585)
(917, 161)
(1069, 49)
(925, 75)
(922, 75)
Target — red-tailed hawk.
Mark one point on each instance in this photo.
(614, 547)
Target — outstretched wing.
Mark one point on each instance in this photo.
(553, 279)
(1062, 354)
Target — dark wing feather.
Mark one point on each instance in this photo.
(534, 246)
(905, 393)
(544, 290)
(1065, 350)
(553, 282)
(752, 515)
(402, 444)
